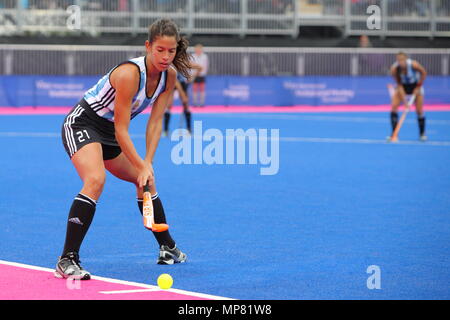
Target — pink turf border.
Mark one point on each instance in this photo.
(25, 282)
(42, 110)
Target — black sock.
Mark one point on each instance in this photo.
(421, 120)
(166, 120)
(394, 120)
(164, 237)
(187, 115)
(80, 218)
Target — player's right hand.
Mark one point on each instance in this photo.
(146, 175)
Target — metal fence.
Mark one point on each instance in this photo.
(283, 17)
(95, 60)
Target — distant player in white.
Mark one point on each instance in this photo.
(198, 88)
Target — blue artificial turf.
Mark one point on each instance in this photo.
(309, 232)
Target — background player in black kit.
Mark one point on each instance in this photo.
(95, 135)
(182, 86)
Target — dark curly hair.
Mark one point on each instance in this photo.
(166, 27)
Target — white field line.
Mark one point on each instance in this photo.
(146, 287)
(296, 117)
(283, 139)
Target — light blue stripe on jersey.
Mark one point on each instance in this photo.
(411, 75)
(94, 91)
(101, 97)
(181, 78)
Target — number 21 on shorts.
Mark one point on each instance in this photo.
(82, 135)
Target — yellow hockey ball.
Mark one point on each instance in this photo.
(165, 281)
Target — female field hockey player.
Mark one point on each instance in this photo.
(409, 76)
(95, 136)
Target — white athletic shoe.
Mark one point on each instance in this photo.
(69, 267)
(170, 256)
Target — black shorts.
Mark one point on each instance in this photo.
(200, 79)
(83, 126)
(409, 88)
(185, 86)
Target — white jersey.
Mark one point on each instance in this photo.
(203, 61)
(411, 76)
(101, 97)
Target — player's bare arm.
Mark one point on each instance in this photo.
(182, 93)
(125, 79)
(423, 73)
(154, 125)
